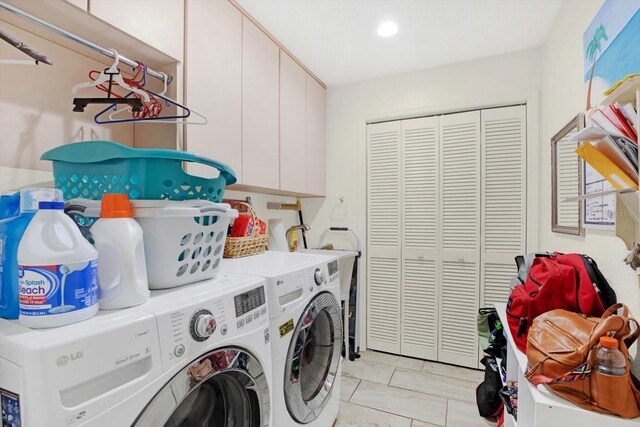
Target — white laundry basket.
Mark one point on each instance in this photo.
(183, 240)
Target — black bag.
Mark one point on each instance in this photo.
(509, 396)
(607, 294)
(488, 392)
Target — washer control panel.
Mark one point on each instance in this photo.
(198, 321)
(202, 325)
(250, 306)
(249, 301)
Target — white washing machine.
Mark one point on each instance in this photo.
(304, 293)
(197, 355)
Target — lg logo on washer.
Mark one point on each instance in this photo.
(64, 359)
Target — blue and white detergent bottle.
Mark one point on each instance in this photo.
(58, 271)
(11, 231)
(9, 205)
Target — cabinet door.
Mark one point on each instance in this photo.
(82, 4)
(260, 112)
(460, 213)
(157, 23)
(293, 98)
(316, 138)
(384, 250)
(420, 231)
(504, 201)
(214, 83)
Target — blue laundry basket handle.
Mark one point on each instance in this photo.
(225, 171)
(99, 151)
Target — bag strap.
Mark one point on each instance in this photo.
(577, 374)
(611, 310)
(633, 335)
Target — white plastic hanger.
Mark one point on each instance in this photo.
(117, 78)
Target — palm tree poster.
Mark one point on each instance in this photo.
(611, 47)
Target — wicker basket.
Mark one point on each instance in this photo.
(237, 247)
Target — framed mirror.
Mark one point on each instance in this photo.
(566, 179)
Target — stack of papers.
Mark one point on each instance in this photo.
(611, 149)
(621, 120)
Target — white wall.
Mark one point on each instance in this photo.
(555, 70)
(563, 96)
(36, 103)
(490, 81)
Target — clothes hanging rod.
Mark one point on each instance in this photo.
(106, 52)
(37, 56)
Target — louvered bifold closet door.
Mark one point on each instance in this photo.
(504, 171)
(420, 171)
(384, 251)
(460, 256)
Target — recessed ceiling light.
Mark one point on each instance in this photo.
(387, 29)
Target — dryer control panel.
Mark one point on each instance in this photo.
(322, 275)
(333, 271)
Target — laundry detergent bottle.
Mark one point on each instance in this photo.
(121, 262)
(58, 271)
(11, 232)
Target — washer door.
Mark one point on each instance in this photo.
(223, 388)
(313, 358)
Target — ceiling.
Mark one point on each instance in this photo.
(337, 39)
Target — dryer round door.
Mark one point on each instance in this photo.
(313, 358)
(223, 388)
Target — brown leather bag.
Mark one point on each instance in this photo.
(560, 352)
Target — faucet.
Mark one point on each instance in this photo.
(302, 227)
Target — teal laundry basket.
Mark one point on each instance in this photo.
(92, 168)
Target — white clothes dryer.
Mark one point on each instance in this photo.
(304, 293)
(190, 356)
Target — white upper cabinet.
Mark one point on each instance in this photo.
(293, 88)
(214, 82)
(82, 4)
(260, 108)
(162, 26)
(316, 138)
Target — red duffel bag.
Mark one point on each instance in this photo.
(570, 282)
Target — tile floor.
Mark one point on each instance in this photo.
(384, 390)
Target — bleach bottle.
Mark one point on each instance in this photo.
(121, 261)
(9, 205)
(11, 232)
(58, 271)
